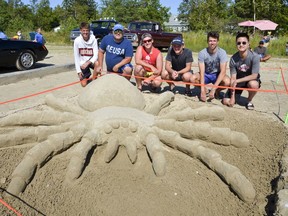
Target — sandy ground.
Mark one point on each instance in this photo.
(122, 188)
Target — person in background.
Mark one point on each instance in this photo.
(119, 53)
(149, 63)
(39, 37)
(261, 50)
(178, 65)
(85, 54)
(212, 62)
(18, 36)
(244, 69)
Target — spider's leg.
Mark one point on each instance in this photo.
(111, 149)
(229, 173)
(131, 148)
(61, 105)
(162, 101)
(79, 154)
(35, 118)
(40, 154)
(19, 136)
(215, 113)
(155, 150)
(204, 131)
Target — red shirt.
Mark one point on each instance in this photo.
(150, 58)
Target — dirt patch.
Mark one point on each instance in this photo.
(122, 188)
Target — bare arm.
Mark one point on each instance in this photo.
(99, 67)
(202, 81)
(126, 60)
(186, 69)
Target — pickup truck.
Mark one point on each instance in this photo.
(99, 28)
(137, 28)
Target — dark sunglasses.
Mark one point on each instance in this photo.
(243, 43)
(118, 31)
(147, 41)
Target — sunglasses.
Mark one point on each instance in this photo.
(147, 41)
(118, 31)
(243, 43)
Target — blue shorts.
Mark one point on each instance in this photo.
(121, 69)
(210, 78)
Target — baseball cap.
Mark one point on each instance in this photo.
(118, 27)
(178, 41)
(261, 42)
(146, 35)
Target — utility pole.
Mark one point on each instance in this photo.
(254, 15)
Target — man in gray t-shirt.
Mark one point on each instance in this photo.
(244, 69)
(212, 62)
(261, 50)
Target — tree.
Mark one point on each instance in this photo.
(204, 14)
(141, 10)
(80, 10)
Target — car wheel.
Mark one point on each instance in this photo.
(26, 60)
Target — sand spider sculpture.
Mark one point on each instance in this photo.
(112, 112)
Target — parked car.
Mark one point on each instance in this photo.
(20, 53)
(161, 39)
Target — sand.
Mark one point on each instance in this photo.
(121, 188)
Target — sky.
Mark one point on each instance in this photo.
(173, 4)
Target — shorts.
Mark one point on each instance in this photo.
(241, 85)
(148, 74)
(86, 72)
(121, 69)
(180, 76)
(210, 77)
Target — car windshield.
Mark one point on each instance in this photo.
(141, 26)
(100, 25)
(3, 36)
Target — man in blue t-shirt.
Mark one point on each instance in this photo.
(119, 53)
(39, 37)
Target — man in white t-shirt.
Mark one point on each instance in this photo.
(85, 54)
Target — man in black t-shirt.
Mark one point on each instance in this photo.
(178, 64)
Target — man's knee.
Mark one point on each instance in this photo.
(138, 70)
(253, 84)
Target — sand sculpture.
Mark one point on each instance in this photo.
(112, 112)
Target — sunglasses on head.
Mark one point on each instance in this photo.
(147, 41)
(243, 43)
(118, 31)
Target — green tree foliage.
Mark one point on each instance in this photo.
(204, 14)
(225, 15)
(80, 10)
(125, 11)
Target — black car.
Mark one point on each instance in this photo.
(20, 53)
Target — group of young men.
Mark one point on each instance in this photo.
(150, 70)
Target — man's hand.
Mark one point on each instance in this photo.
(80, 75)
(115, 68)
(174, 75)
